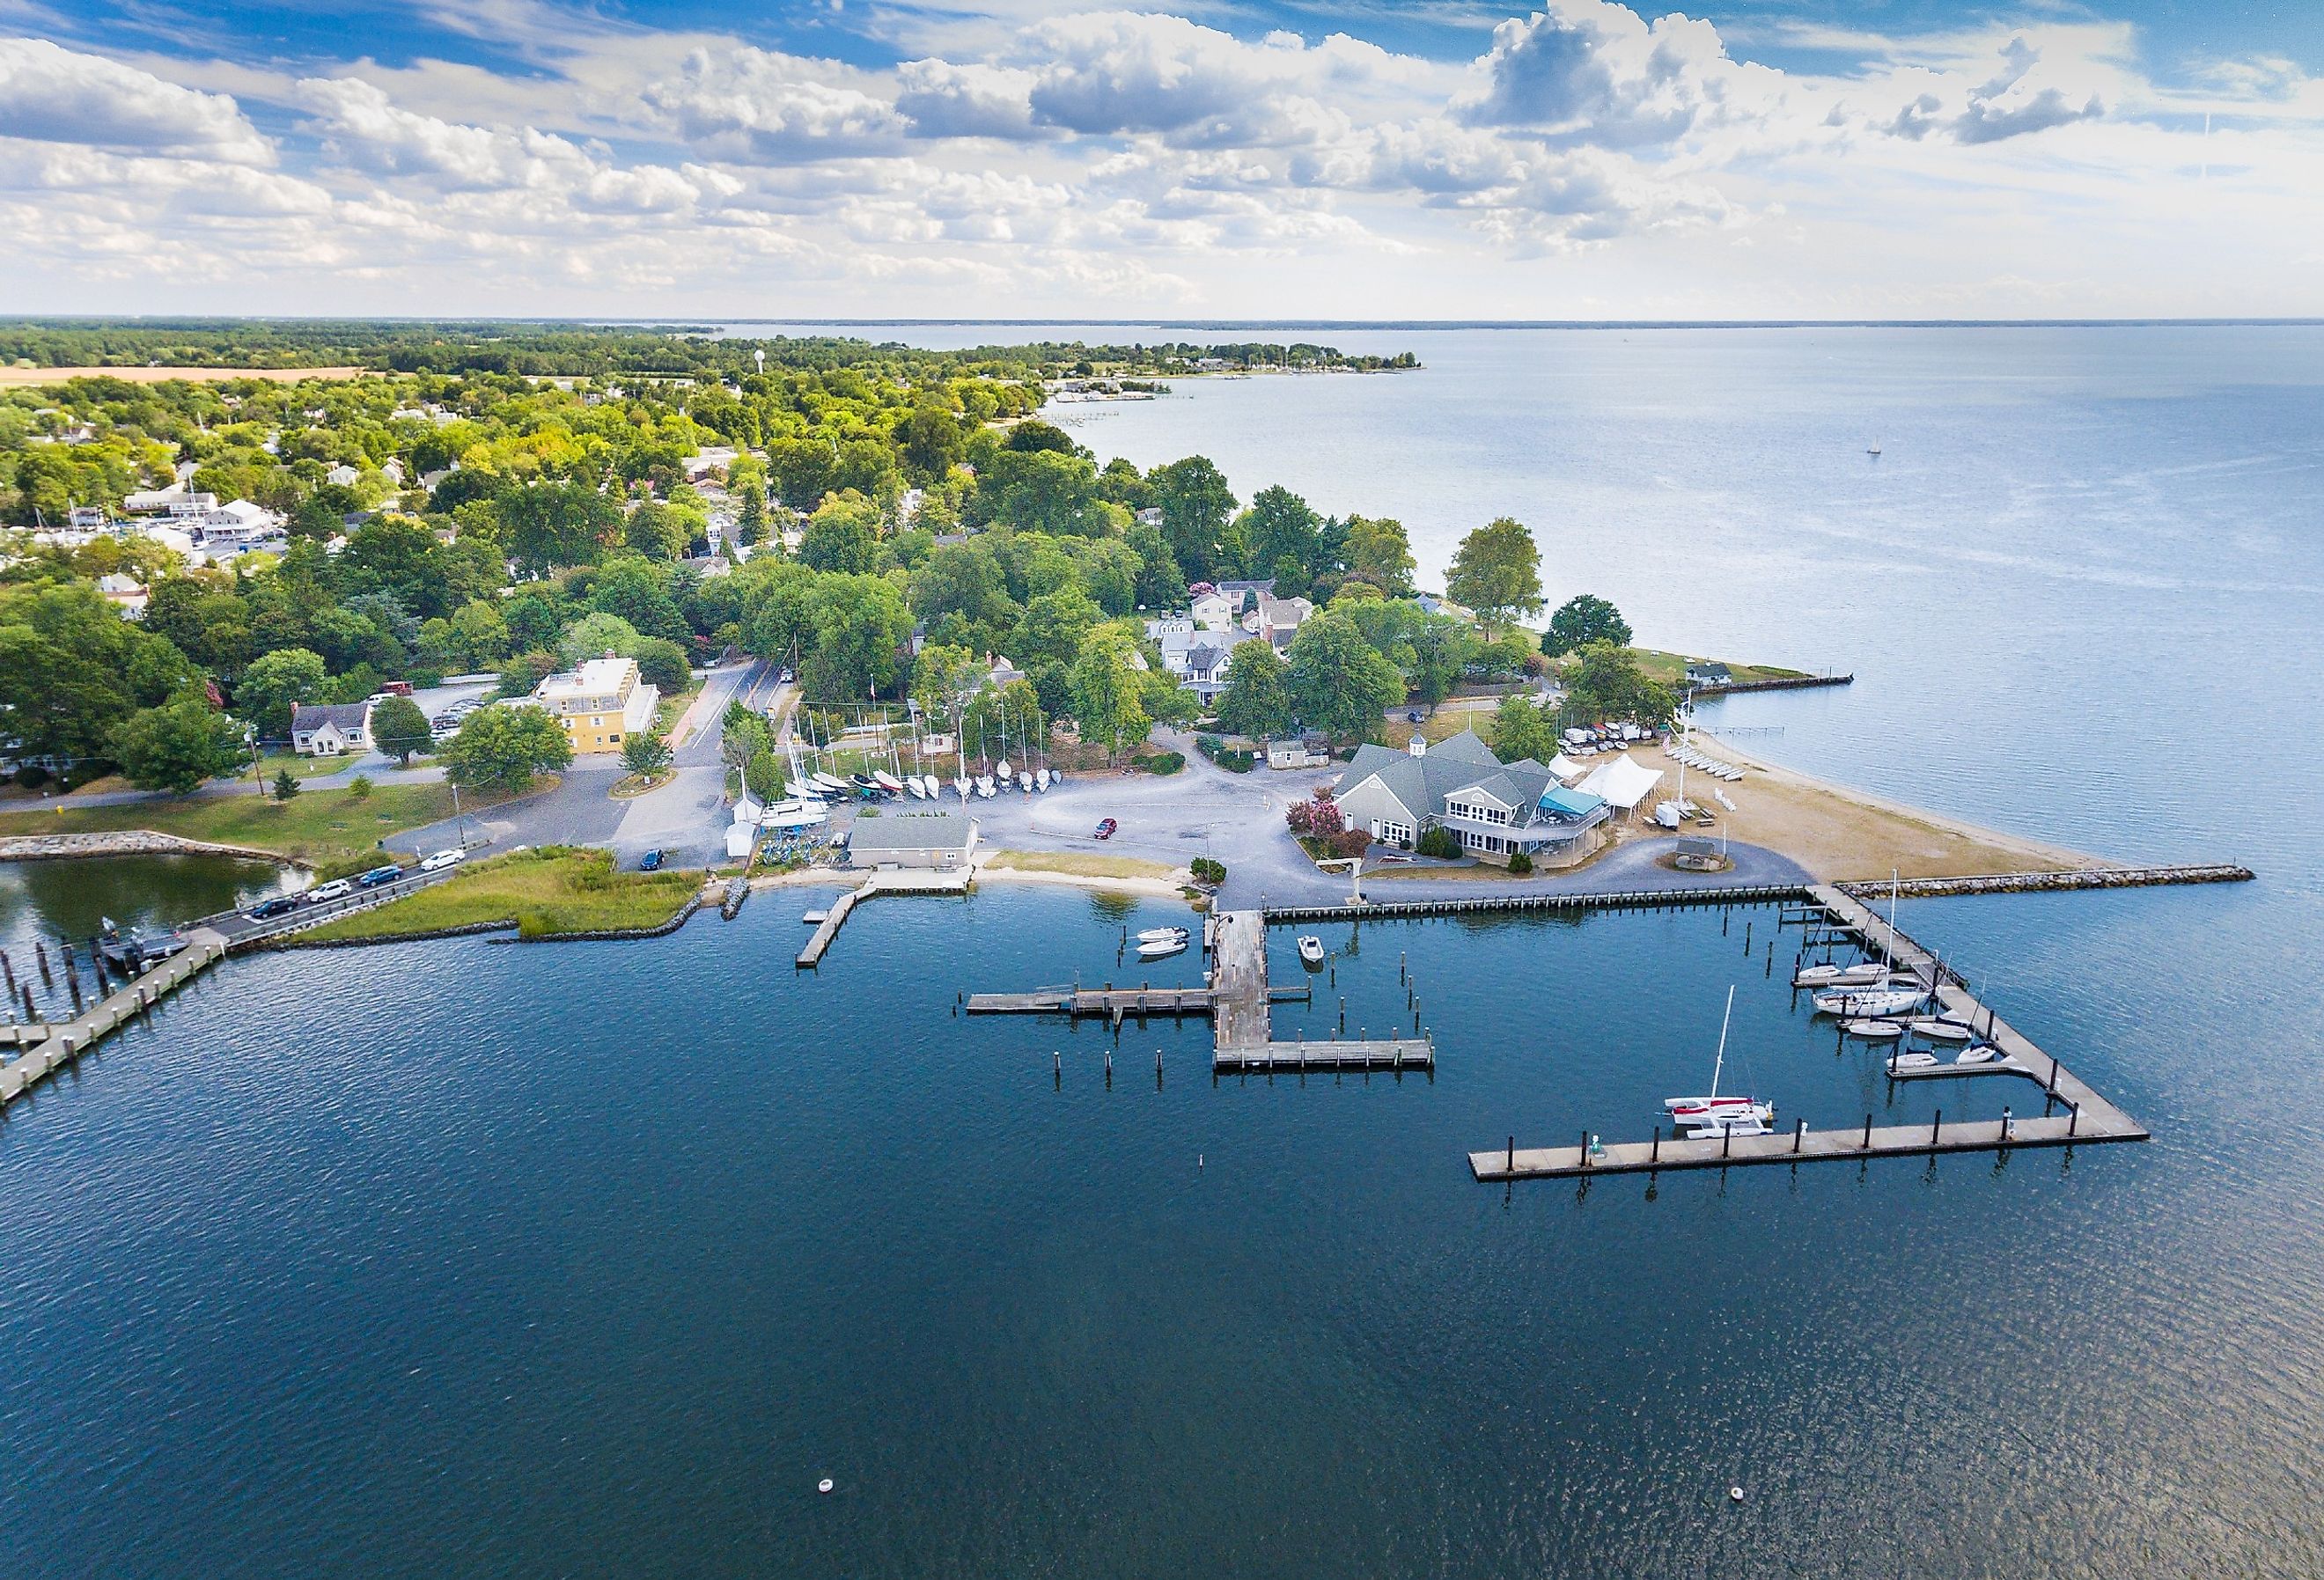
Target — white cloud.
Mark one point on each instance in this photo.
(59, 96)
(748, 103)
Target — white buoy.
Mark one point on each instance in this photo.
(823, 1486)
(1734, 1493)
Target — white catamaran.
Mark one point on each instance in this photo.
(1715, 1114)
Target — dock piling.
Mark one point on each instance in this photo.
(1867, 1132)
(1654, 1156)
(1799, 1134)
(1936, 1127)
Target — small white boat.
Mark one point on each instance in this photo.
(887, 781)
(1001, 770)
(1311, 950)
(967, 789)
(1041, 779)
(1161, 948)
(1865, 974)
(1979, 1053)
(1862, 1002)
(1161, 934)
(832, 785)
(1915, 1060)
(1943, 1031)
(801, 790)
(1875, 1031)
(912, 783)
(984, 786)
(933, 786)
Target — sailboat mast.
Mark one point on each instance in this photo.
(1721, 1062)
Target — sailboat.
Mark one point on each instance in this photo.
(929, 782)
(1873, 449)
(912, 783)
(1744, 1117)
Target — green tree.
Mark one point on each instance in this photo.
(1339, 682)
(645, 753)
(503, 748)
(663, 663)
(399, 728)
(658, 532)
(1497, 572)
(1279, 527)
(1107, 692)
(750, 520)
(552, 524)
(72, 670)
(1441, 648)
(1054, 626)
(1196, 504)
(1583, 620)
(273, 683)
(1257, 700)
(1520, 731)
(1609, 684)
(178, 745)
(860, 625)
(1379, 552)
(842, 535)
(286, 785)
(943, 679)
(594, 636)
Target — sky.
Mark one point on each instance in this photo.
(1271, 159)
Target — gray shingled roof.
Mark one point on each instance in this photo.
(912, 831)
(1422, 783)
(314, 716)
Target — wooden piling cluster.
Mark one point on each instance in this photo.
(67, 1040)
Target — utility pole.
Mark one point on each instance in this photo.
(257, 774)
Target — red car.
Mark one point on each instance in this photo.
(1106, 827)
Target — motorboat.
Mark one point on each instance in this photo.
(1913, 1059)
(888, 781)
(1875, 1031)
(1861, 1002)
(1713, 1114)
(1162, 935)
(1162, 948)
(984, 786)
(1943, 1031)
(1311, 950)
(1979, 1053)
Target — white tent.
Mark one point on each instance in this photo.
(1565, 769)
(1623, 782)
(748, 812)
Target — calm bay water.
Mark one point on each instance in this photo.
(474, 1257)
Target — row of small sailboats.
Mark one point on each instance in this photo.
(819, 787)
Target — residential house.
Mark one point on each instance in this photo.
(330, 729)
(126, 594)
(711, 459)
(1198, 658)
(391, 470)
(1307, 750)
(601, 704)
(1703, 672)
(1494, 809)
(342, 476)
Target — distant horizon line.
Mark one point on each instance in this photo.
(675, 320)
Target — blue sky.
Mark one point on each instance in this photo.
(1016, 158)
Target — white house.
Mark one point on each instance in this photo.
(330, 729)
(342, 476)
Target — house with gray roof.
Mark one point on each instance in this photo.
(1494, 809)
(330, 729)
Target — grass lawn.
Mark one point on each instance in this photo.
(1670, 668)
(558, 889)
(300, 767)
(329, 830)
(1086, 866)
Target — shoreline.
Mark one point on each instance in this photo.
(850, 877)
(48, 847)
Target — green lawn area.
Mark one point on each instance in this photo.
(300, 767)
(331, 830)
(558, 889)
(1670, 668)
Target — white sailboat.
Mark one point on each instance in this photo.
(887, 781)
(1744, 1117)
(928, 782)
(1869, 1002)
(912, 783)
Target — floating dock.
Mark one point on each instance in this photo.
(895, 881)
(2088, 1116)
(67, 1040)
(1620, 900)
(1299, 1058)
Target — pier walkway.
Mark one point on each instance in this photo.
(67, 1040)
(2087, 1115)
(888, 880)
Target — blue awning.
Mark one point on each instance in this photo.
(1569, 803)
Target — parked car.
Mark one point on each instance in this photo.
(378, 875)
(1105, 829)
(442, 859)
(337, 888)
(651, 862)
(280, 905)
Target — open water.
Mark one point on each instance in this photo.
(468, 1258)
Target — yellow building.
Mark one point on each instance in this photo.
(600, 705)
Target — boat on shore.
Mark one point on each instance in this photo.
(888, 781)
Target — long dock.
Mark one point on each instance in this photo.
(69, 1040)
(1276, 1058)
(898, 881)
(2087, 1117)
(1239, 979)
(1618, 900)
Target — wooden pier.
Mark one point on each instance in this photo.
(67, 1040)
(1398, 1054)
(1239, 979)
(1620, 900)
(2086, 1117)
(897, 880)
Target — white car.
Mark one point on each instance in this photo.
(337, 888)
(442, 859)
